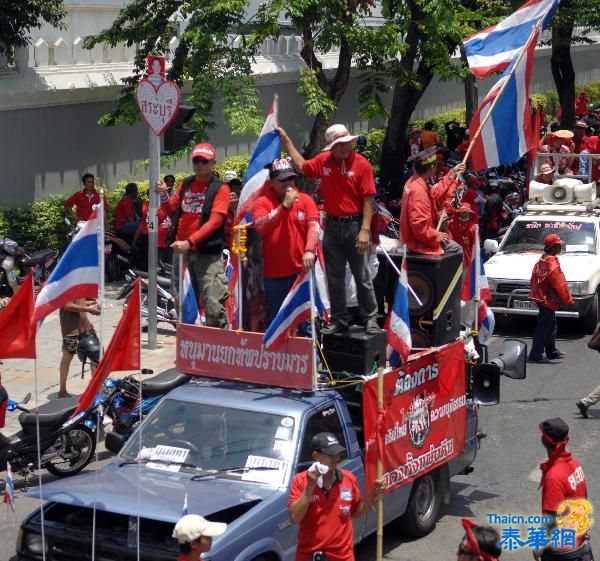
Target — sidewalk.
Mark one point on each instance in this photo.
(18, 374)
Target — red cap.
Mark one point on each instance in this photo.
(205, 150)
(552, 239)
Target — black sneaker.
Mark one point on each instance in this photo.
(540, 360)
(582, 409)
(334, 327)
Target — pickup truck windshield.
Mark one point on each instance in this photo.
(579, 237)
(197, 438)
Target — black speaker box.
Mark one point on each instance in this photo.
(354, 350)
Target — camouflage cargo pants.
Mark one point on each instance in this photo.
(211, 283)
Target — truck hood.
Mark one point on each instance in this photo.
(518, 266)
(115, 489)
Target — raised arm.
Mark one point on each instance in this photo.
(289, 147)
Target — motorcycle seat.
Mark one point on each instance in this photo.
(163, 383)
(165, 282)
(52, 414)
(38, 257)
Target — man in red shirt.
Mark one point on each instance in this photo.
(288, 223)
(86, 200)
(347, 186)
(198, 210)
(419, 206)
(581, 103)
(323, 504)
(194, 536)
(562, 475)
(126, 219)
(549, 289)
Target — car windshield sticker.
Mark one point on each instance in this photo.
(576, 247)
(287, 422)
(169, 458)
(282, 446)
(273, 475)
(554, 225)
(283, 433)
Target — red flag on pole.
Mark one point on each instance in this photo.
(17, 331)
(123, 352)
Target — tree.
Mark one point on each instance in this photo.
(584, 13)
(207, 55)
(19, 17)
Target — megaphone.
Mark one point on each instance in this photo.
(536, 191)
(512, 361)
(485, 384)
(585, 193)
(558, 194)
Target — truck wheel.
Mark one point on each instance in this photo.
(590, 320)
(423, 506)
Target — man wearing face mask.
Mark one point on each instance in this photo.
(324, 499)
(347, 186)
(288, 223)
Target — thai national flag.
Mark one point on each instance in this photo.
(77, 274)
(294, 310)
(9, 489)
(485, 322)
(185, 511)
(470, 285)
(398, 323)
(189, 305)
(507, 134)
(267, 149)
(494, 48)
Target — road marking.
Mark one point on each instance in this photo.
(535, 475)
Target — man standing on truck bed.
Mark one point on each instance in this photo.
(323, 504)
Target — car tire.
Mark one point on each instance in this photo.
(590, 320)
(423, 506)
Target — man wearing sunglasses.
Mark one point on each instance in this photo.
(198, 210)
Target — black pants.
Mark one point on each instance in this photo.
(544, 336)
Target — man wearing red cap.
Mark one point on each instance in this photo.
(198, 210)
(480, 543)
(462, 229)
(562, 475)
(348, 186)
(288, 223)
(549, 290)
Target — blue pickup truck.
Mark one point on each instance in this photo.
(232, 449)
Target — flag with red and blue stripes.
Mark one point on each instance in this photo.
(397, 324)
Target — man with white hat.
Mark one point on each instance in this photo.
(546, 174)
(347, 186)
(194, 535)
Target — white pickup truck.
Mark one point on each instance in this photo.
(508, 271)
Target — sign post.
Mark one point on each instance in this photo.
(158, 101)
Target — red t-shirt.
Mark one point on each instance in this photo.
(164, 224)
(124, 212)
(343, 186)
(285, 242)
(327, 524)
(192, 204)
(84, 204)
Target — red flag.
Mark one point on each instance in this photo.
(123, 352)
(17, 331)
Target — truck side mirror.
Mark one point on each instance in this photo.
(490, 246)
(114, 442)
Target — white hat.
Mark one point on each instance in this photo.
(191, 526)
(229, 175)
(335, 134)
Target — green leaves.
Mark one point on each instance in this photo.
(316, 101)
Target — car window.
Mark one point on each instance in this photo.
(326, 420)
(579, 237)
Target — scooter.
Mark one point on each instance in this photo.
(66, 443)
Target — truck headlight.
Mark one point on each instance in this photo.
(579, 288)
(34, 544)
(492, 284)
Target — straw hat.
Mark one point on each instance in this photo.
(564, 134)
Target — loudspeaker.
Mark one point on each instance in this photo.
(437, 281)
(485, 384)
(354, 350)
(558, 194)
(512, 361)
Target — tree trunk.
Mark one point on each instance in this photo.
(471, 95)
(563, 72)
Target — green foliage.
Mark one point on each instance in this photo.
(316, 101)
(238, 163)
(373, 150)
(20, 16)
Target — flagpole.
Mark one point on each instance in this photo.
(39, 456)
(503, 86)
(313, 334)
(276, 106)
(477, 266)
(398, 272)
(379, 555)
(180, 289)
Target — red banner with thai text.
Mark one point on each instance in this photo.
(241, 356)
(423, 424)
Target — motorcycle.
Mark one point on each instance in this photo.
(165, 303)
(119, 398)
(67, 444)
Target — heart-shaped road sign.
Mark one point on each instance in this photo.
(158, 105)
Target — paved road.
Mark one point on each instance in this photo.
(506, 477)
